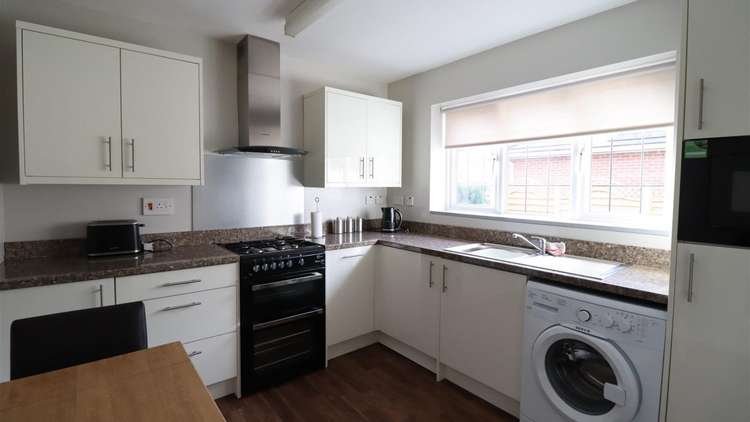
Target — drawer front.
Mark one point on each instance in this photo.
(170, 283)
(214, 358)
(192, 316)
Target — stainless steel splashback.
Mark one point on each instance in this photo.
(248, 192)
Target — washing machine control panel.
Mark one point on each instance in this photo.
(593, 318)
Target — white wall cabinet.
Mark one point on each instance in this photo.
(98, 111)
(718, 57)
(71, 107)
(407, 298)
(353, 140)
(350, 279)
(482, 325)
(45, 300)
(710, 357)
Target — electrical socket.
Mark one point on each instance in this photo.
(158, 206)
(370, 199)
(410, 201)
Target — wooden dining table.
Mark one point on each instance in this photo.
(155, 384)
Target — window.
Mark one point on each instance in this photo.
(615, 177)
(594, 149)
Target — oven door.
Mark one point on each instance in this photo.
(283, 348)
(715, 192)
(291, 294)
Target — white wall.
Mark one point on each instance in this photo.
(46, 212)
(636, 30)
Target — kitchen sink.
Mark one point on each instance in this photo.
(573, 265)
(492, 251)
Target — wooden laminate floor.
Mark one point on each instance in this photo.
(372, 384)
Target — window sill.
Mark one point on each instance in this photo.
(548, 222)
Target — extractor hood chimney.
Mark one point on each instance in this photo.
(259, 101)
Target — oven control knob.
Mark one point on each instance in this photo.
(289, 264)
(608, 321)
(281, 265)
(264, 267)
(301, 261)
(256, 268)
(273, 265)
(583, 315)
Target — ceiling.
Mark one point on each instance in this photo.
(380, 40)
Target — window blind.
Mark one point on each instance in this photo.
(633, 100)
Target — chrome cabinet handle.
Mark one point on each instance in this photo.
(195, 353)
(132, 156)
(187, 305)
(445, 283)
(352, 256)
(372, 167)
(431, 283)
(108, 163)
(690, 278)
(700, 103)
(181, 283)
(101, 295)
(361, 167)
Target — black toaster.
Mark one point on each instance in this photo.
(113, 237)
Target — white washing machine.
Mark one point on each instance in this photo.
(588, 358)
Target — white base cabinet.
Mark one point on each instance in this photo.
(198, 307)
(710, 354)
(215, 358)
(407, 298)
(38, 301)
(481, 325)
(468, 318)
(350, 279)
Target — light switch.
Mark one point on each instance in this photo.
(409, 201)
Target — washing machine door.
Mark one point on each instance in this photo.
(586, 378)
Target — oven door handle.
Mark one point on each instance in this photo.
(262, 325)
(296, 280)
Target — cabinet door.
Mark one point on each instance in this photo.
(718, 52)
(482, 325)
(383, 143)
(350, 275)
(346, 139)
(710, 361)
(160, 117)
(70, 106)
(36, 301)
(407, 304)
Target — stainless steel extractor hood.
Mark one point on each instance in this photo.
(259, 101)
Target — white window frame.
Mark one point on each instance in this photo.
(440, 165)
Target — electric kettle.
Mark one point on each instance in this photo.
(391, 219)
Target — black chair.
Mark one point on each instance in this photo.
(57, 341)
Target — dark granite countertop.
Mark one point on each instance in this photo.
(17, 274)
(632, 281)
